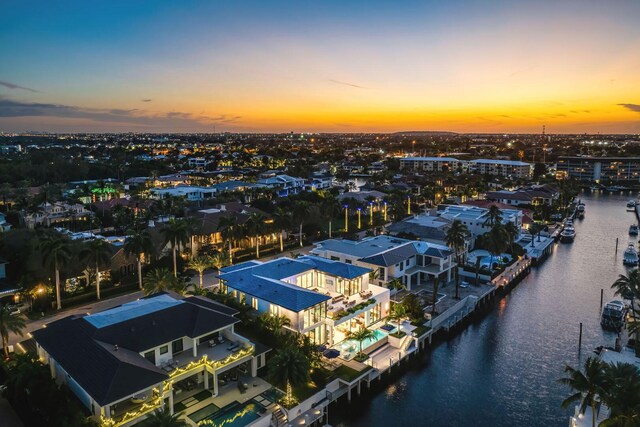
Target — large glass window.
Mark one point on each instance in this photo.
(314, 314)
(177, 346)
(150, 356)
(375, 314)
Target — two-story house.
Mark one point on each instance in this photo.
(128, 361)
(322, 299)
(413, 262)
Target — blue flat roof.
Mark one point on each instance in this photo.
(335, 268)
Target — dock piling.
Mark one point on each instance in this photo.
(617, 244)
(580, 338)
(601, 296)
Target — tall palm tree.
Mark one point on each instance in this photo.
(138, 244)
(282, 222)
(96, 253)
(275, 324)
(200, 264)
(9, 324)
(176, 234)
(300, 213)
(628, 287)
(219, 260)
(227, 227)
(360, 336)
(331, 208)
(289, 366)
(56, 252)
(621, 394)
(512, 231)
(494, 216)
(533, 230)
(256, 226)
(456, 238)
(163, 418)
(160, 280)
(587, 385)
(434, 299)
(496, 241)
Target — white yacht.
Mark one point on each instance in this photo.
(568, 234)
(631, 205)
(581, 209)
(633, 230)
(614, 315)
(630, 256)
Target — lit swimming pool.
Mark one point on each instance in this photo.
(233, 415)
(349, 348)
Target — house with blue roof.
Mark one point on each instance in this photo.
(322, 298)
(413, 262)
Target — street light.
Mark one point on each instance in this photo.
(359, 223)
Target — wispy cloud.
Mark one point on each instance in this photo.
(15, 86)
(146, 100)
(338, 82)
(13, 108)
(631, 107)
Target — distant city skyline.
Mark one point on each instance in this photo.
(375, 66)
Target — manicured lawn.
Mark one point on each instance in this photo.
(349, 374)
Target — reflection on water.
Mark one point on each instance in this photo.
(502, 370)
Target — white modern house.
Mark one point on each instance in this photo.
(475, 218)
(414, 262)
(190, 192)
(284, 185)
(128, 361)
(323, 299)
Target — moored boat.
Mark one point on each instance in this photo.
(614, 315)
(633, 230)
(631, 205)
(630, 255)
(568, 234)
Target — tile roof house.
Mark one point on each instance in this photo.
(308, 290)
(128, 361)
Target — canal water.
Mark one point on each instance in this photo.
(502, 370)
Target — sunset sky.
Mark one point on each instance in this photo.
(345, 66)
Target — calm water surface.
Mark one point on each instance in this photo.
(502, 370)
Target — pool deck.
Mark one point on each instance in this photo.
(230, 393)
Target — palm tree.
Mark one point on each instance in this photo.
(176, 233)
(163, 418)
(398, 312)
(496, 241)
(587, 385)
(360, 336)
(477, 270)
(9, 324)
(282, 221)
(434, 299)
(331, 208)
(227, 227)
(397, 285)
(96, 253)
(456, 238)
(219, 260)
(512, 231)
(160, 280)
(621, 394)
(275, 324)
(533, 230)
(289, 366)
(200, 264)
(628, 287)
(255, 226)
(300, 212)
(56, 252)
(494, 216)
(138, 244)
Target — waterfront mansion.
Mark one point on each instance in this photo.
(323, 299)
(413, 262)
(128, 361)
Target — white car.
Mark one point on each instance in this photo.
(464, 284)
